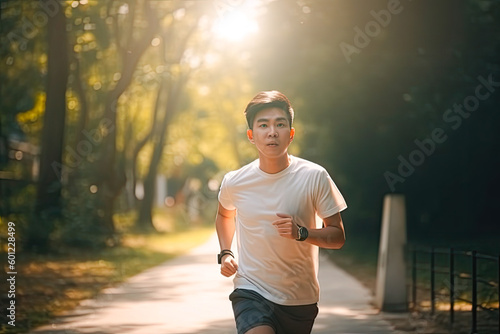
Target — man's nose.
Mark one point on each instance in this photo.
(273, 132)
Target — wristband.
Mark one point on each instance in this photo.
(223, 253)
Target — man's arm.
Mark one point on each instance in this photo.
(331, 236)
(225, 227)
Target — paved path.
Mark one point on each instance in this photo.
(188, 295)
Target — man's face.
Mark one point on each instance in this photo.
(271, 132)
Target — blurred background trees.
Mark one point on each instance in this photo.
(155, 93)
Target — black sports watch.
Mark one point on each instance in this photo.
(223, 253)
(303, 233)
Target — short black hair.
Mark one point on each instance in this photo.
(268, 99)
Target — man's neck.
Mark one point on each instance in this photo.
(273, 166)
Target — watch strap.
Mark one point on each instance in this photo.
(223, 253)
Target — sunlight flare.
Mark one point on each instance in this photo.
(235, 25)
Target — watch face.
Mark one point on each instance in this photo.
(303, 233)
(300, 233)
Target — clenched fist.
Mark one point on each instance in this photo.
(228, 266)
(285, 226)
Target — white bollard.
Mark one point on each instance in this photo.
(161, 191)
(391, 292)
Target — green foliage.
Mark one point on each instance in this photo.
(22, 58)
(79, 226)
(102, 36)
(16, 207)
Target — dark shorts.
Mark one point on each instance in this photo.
(252, 310)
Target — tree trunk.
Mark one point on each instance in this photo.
(159, 105)
(112, 178)
(48, 199)
(144, 219)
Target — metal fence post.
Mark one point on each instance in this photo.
(474, 292)
(433, 294)
(473, 276)
(414, 278)
(452, 286)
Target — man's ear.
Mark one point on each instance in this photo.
(292, 133)
(250, 135)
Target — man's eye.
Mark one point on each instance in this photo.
(263, 125)
(281, 125)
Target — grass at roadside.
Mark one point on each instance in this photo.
(49, 285)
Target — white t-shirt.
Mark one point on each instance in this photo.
(282, 270)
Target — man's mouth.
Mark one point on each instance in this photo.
(272, 144)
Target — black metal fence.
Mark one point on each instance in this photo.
(468, 277)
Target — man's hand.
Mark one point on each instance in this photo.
(286, 227)
(228, 266)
